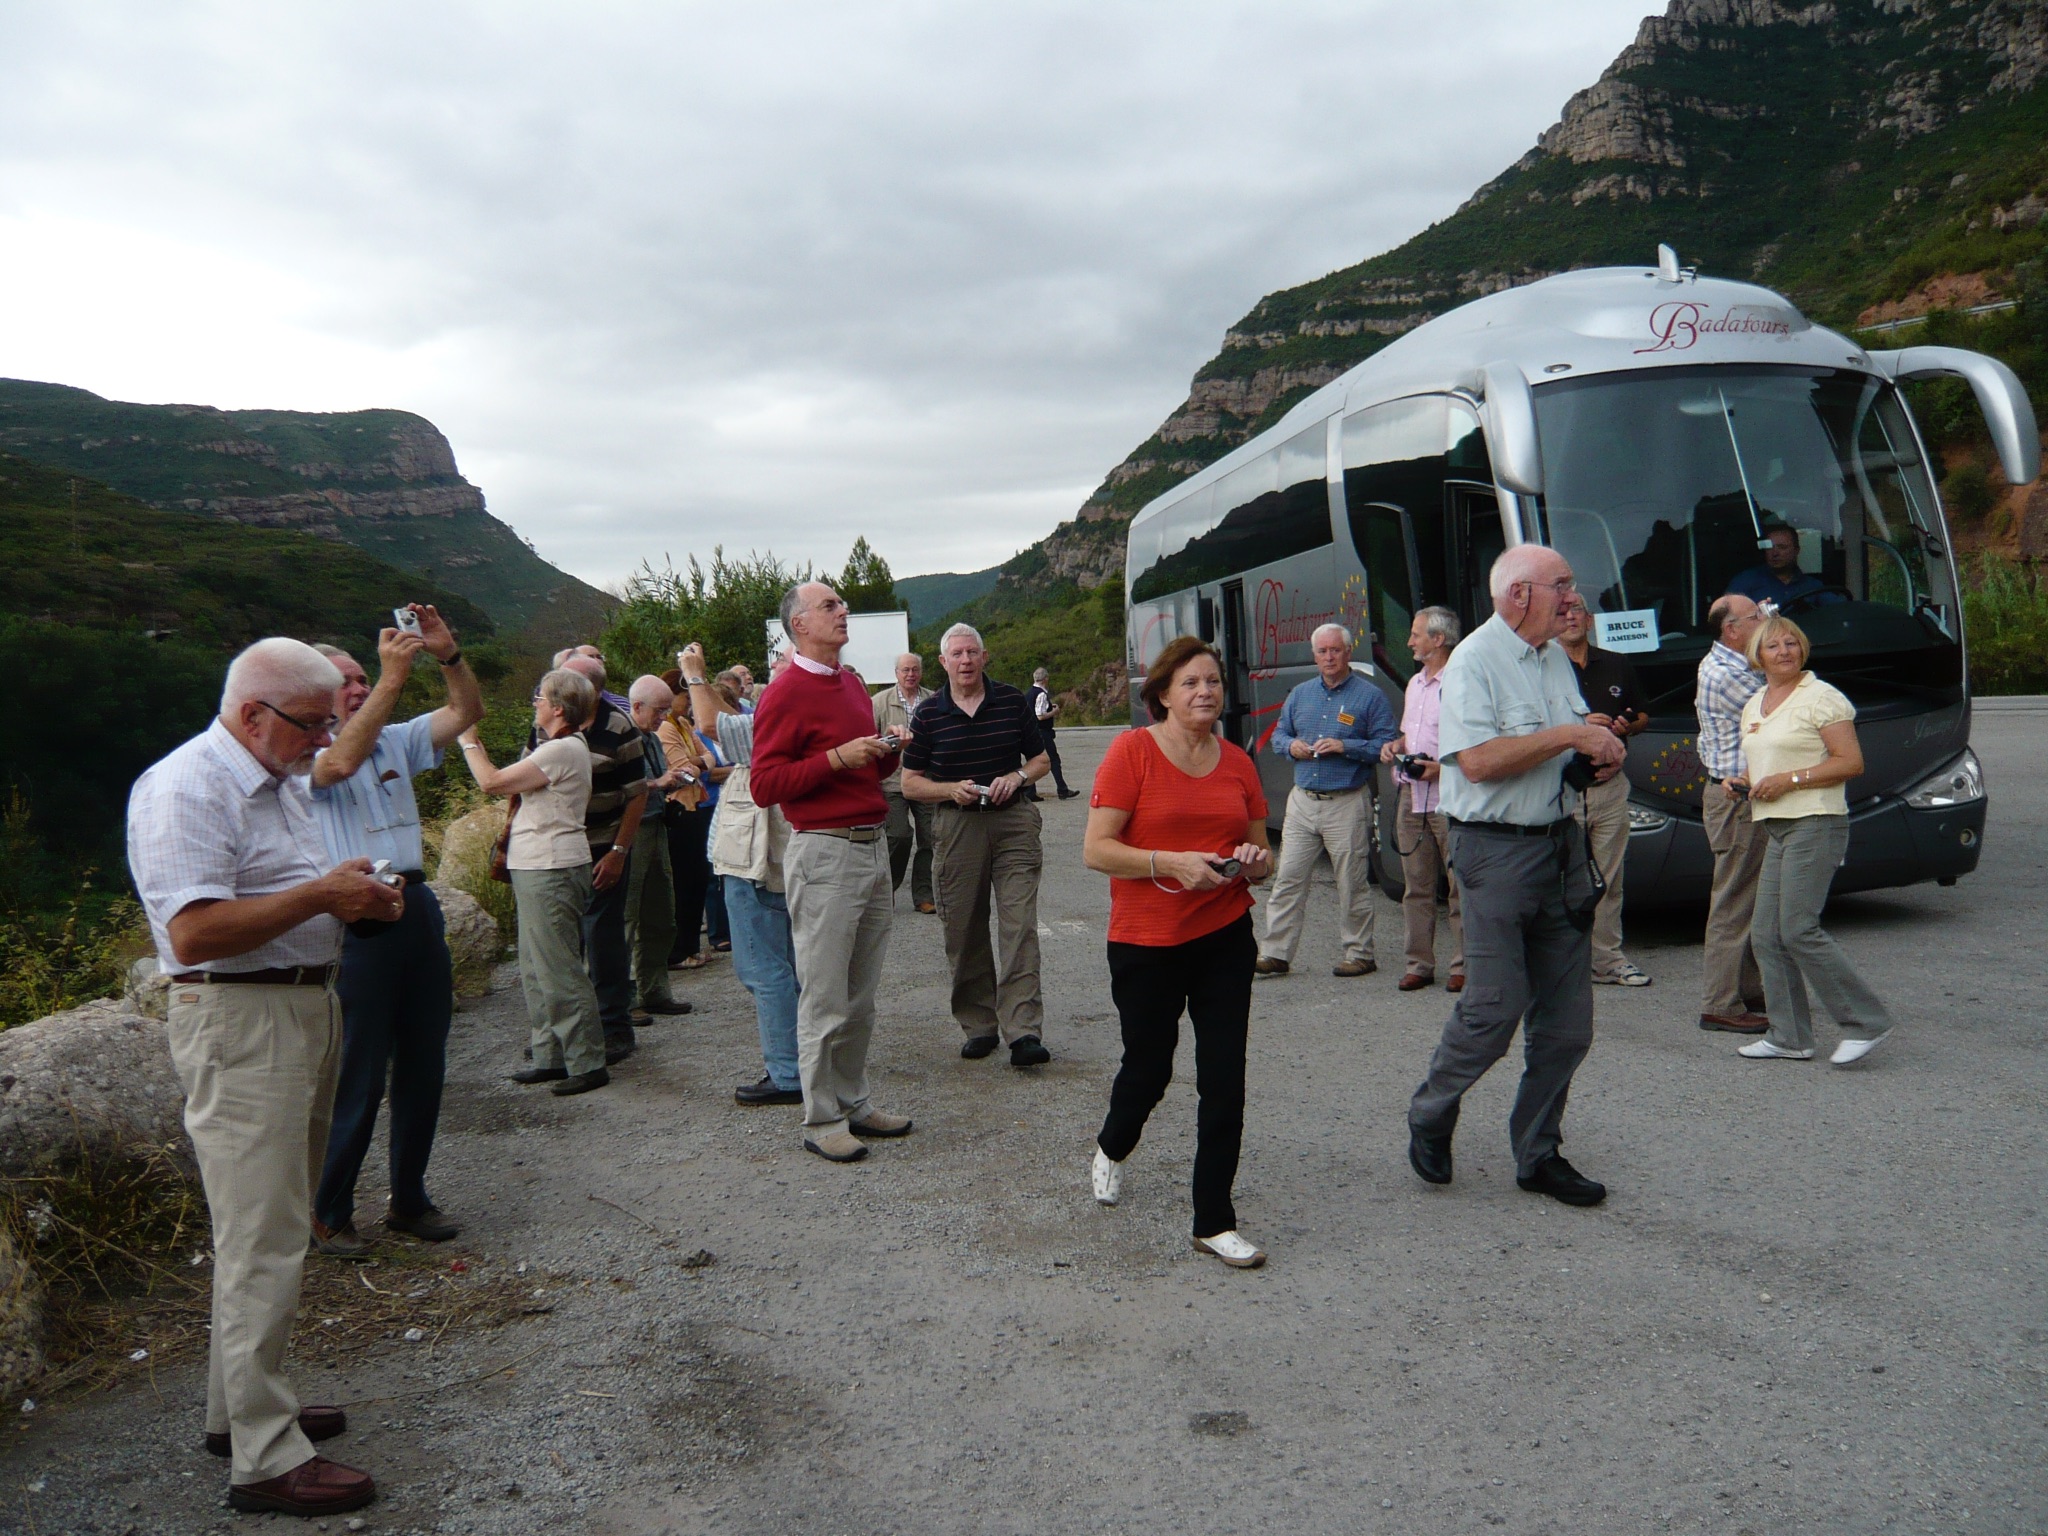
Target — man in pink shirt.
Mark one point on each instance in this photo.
(1420, 832)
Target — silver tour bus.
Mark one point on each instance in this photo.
(1651, 425)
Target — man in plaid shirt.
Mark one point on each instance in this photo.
(1733, 987)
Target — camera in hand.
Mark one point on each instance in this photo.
(1412, 763)
(1581, 772)
(1229, 869)
(370, 927)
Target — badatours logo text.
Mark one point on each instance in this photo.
(1676, 326)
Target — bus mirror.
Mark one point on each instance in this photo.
(2000, 396)
(1511, 430)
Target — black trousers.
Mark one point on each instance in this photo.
(605, 953)
(689, 865)
(1210, 979)
(1052, 755)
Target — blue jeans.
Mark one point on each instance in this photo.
(765, 959)
(397, 995)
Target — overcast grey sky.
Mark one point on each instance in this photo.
(675, 274)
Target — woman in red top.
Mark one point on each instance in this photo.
(1172, 804)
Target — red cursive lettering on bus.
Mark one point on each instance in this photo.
(1675, 326)
(1278, 618)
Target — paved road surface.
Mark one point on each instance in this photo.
(1813, 1302)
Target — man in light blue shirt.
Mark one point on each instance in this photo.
(1333, 727)
(1512, 717)
(396, 985)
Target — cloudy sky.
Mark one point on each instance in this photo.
(674, 274)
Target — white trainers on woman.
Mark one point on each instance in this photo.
(1232, 1250)
(1763, 1050)
(1109, 1178)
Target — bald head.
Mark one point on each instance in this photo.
(649, 699)
(1531, 584)
(586, 666)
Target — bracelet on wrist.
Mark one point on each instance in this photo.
(454, 659)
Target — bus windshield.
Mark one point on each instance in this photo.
(1669, 487)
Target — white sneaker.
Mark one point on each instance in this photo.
(1232, 1250)
(1623, 975)
(1763, 1050)
(1855, 1050)
(1109, 1178)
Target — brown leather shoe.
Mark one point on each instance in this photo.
(1455, 984)
(1413, 983)
(927, 907)
(1265, 966)
(1355, 968)
(316, 1487)
(1736, 1024)
(314, 1424)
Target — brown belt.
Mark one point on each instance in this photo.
(851, 834)
(288, 976)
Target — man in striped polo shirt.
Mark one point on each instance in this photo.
(975, 752)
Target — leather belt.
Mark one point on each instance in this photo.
(1332, 794)
(1511, 828)
(287, 976)
(851, 834)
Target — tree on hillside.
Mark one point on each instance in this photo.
(866, 583)
(726, 608)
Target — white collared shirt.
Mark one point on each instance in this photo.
(813, 666)
(210, 823)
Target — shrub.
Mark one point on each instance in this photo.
(53, 961)
(2006, 613)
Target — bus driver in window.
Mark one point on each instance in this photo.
(1778, 579)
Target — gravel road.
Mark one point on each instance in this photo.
(1812, 1302)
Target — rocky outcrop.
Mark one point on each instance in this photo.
(93, 1083)
(1221, 407)
(474, 942)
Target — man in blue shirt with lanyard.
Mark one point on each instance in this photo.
(397, 983)
(1333, 727)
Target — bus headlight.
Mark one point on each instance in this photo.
(1642, 819)
(1958, 783)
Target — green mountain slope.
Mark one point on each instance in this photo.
(927, 599)
(383, 481)
(1871, 158)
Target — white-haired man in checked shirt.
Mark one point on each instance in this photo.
(247, 920)
(1734, 989)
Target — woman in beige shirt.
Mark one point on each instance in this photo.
(549, 857)
(1799, 748)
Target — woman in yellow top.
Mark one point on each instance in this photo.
(1798, 750)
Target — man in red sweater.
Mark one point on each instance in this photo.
(816, 756)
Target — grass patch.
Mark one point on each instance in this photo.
(123, 1250)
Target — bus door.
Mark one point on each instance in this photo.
(1237, 666)
(1477, 540)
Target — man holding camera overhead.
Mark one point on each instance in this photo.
(397, 984)
(1513, 736)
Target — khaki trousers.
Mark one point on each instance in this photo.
(984, 854)
(1428, 837)
(1607, 825)
(650, 911)
(1342, 827)
(563, 1023)
(258, 1065)
(840, 904)
(1728, 972)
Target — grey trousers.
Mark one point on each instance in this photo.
(1524, 964)
(1801, 855)
(840, 906)
(1428, 839)
(258, 1066)
(906, 815)
(561, 1005)
(992, 859)
(650, 912)
(1728, 970)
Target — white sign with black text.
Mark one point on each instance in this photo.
(1634, 629)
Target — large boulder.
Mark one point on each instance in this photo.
(95, 1082)
(474, 941)
(21, 1324)
(464, 863)
(148, 990)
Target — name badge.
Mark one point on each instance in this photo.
(1344, 719)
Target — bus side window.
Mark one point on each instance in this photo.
(1394, 470)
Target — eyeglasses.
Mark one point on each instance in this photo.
(1561, 586)
(308, 726)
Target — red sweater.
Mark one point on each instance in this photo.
(800, 718)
